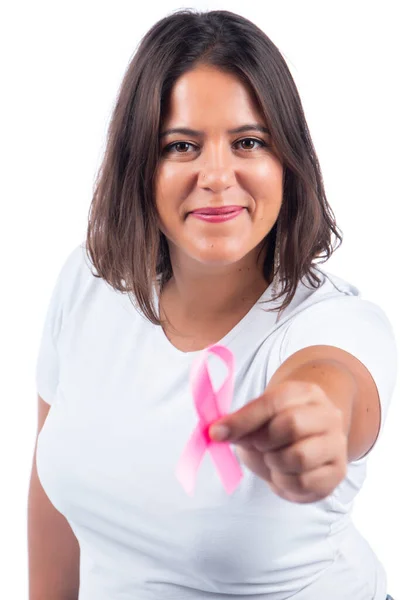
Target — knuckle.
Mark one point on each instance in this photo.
(300, 458)
(314, 388)
(344, 440)
(342, 445)
(338, 415)
(293, 423)
(343, 470)
(321, 496)
(303, 483)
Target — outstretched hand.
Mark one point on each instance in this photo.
(293, 437)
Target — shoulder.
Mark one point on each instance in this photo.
(75, 276)
(329, 291)
(334, 314)
(336, 305)
(336, 298)
(77, 262)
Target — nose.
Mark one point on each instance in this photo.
(217, 169)
(216, 179)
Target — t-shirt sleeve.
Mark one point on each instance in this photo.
(359, 327)
(47, 364)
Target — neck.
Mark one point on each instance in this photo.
(199, 299)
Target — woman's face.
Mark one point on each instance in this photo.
(215, 168)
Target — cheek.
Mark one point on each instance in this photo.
(168, 197)
(268, 189)
(168, 189)
(267, 176)
(263, 180)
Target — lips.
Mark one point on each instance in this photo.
(221, 210)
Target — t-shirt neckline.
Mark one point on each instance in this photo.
(173, 351)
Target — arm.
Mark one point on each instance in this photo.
(318, 412)
(348, 384)
(53, 550)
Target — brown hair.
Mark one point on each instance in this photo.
(124, 241)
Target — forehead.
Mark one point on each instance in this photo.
(211, 97)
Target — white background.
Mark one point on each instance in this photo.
(62, 63)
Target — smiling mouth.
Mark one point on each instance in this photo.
(217, 217)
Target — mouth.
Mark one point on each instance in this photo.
(217, 210)
(216, 217)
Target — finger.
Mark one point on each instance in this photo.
(292, 497)
(294, 424)
(302, 498)
(321, 481)
(254, 461)
(308, 454)
(261, 410)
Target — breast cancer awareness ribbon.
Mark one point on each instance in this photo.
(210, 406)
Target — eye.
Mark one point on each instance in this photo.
(174, 145)
(170, 146)
(251, 140)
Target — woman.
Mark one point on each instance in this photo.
(208, 120)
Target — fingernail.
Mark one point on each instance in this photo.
(220, 432)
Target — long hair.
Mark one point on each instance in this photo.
(124, 241)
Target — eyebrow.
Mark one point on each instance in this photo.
(195, 133)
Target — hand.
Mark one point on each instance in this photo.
(293, 437)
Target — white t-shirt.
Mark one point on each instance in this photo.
(121, 414)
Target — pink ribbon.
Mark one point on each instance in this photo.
(210, 406)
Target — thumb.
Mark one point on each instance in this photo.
(258, 412)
